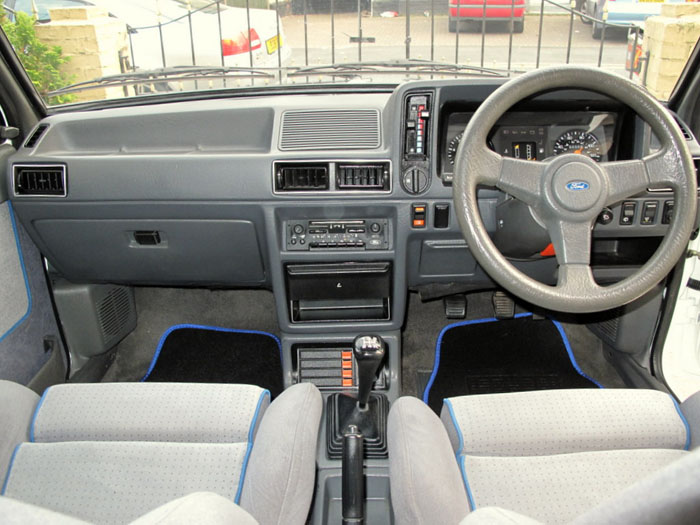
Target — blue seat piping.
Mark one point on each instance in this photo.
(251, 431)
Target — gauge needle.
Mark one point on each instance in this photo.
(579, 151)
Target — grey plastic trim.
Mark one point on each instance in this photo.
(62, 167)
(332, 189)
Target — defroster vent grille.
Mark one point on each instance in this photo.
(684, 129)
(34, 137)
(338, 129)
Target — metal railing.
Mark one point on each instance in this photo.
(408, 6)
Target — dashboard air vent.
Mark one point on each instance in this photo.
(34, 137)
(374, 176)
(301, 177)
(40, 181)
(684, 129)
(338, 129)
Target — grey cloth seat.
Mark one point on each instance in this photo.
(110, 453)
(199, 507)
(546, 457)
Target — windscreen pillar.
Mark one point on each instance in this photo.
(669, 39)
(95, 43)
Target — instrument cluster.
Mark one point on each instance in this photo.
(537, 136)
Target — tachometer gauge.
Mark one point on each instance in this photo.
(452, 148)
(581, 142)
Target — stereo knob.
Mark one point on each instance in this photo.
(298, 229)
(375, 227)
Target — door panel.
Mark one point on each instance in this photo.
(29, 334)
(16, 303)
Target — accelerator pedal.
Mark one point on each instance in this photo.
(503, 305)
(455, 306)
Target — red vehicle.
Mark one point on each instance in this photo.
(496, 10)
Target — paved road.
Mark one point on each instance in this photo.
(390, 41)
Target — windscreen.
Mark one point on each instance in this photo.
(91, 50)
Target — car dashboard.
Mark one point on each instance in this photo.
(338, 201)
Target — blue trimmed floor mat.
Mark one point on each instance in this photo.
(487, 356)
(208, 354)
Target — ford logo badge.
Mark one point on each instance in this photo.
(577, 185)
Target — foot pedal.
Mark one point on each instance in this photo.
(503, 306)
(455, 306)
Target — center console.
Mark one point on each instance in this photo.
(341, 318)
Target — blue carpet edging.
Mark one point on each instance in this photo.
(438, 344)
(203, 327)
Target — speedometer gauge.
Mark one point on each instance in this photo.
(580, 142)
(452, 148)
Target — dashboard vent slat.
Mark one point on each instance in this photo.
(302, 177)
(34, 137)
(372, 176)
(39, 181)
(684, 129)
(338, 129)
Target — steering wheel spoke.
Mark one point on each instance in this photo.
(576, 280)
(631, 177)
(522, 179)
(571, 240)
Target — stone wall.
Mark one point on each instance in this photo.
(669, 39)
(93, 40)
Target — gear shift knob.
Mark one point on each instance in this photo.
(369, 353)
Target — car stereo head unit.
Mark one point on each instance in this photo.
(334, 234)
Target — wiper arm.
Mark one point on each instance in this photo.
(168, 74)
(353, 69)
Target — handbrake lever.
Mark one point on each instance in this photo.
(353, 477)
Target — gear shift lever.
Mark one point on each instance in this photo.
(366, 412)
(369, 353)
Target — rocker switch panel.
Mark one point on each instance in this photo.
(418, 215)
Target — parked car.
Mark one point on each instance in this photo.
(622, 11)
(210, 43)
(495, 10)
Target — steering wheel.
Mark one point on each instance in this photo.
(568, 192)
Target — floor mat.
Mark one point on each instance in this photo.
(204, 354)
(487, 356)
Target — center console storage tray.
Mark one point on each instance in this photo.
(348, 291)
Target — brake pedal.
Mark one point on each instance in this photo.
(455, 306)
(503, 306)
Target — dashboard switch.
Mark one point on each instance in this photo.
(649, 212)
(667, 214)
(629, 209)
(441, 218)
(415, 180)
(418, 213)
(605, 216)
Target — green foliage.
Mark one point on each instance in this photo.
(41, 62)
